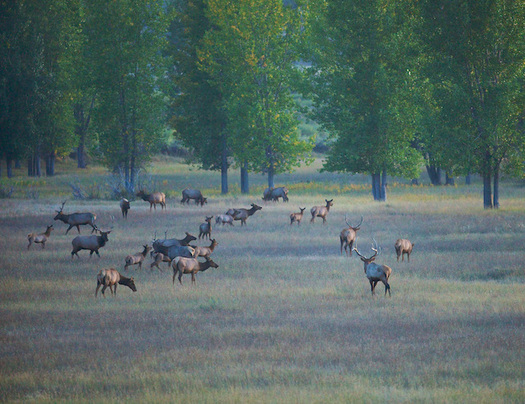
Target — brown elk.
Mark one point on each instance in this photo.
(205, 228)
(92, 243)
(273, 194)
(158, 258)
(206, 251)
(348, 236)
(153, 199)
(76, 219)
(191, 266)
(124, 207)
(242, 214)
(224, 219)
(297, 217)
(110, 278)
(39, 238)
(194, 194)
(137, 259)
(321, 211)
(173, 247)
(375, 272)
(403, 246)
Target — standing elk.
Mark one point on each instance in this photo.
(205, 228)
(403, 246)
(158, 258)
(348, 236)
(297, 217)
(76, 219)
(92, 243)
(39, 238)
(206, 251)
(224, 219)
(137, 259)
(110, 278)
(273, 194)
(190, 266)
(321, 211)
(124, 207)
(174, 247)
(375, 272)
(194, 194)
(242, 214)
(153, 199)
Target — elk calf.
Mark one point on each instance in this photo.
(205, 228)
(39, 238)
(92, 243)
(321, 211)
(137, 258)
(191, 266)
(375, 272)
(403, 246)
(153, 199)
(157, 259)
(124, 207)
(348, 236)
(206, 251)
(110, 278)
(297, 217)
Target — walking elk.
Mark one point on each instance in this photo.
(39, 238)
(348, 236)
(194, 194)
(242, 214)
(137, 259)
(76, 219)
(375, 272)
(297, 217)
(92, 243)
(321, 211)
(190, 266)
(153, 199)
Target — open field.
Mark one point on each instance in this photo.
(285, 318)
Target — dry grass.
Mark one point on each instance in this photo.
(284, 318)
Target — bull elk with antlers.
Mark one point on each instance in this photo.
(375, 272)
(348, 236)
(76, 219)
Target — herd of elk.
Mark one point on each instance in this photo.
(348, 236)
(76, 219)
(153, 199)
(110, 278)
(39, 238)
(321, 211)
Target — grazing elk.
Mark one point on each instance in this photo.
(92, 243)
(39, 238)
(321, 211)
(375, 272)
(157, 259)
(194, 194)
(76, 219)
(224, 219)
(403, 246)
(242, 214)
(206, 251)
(297, 217)
(348, 236)
(124, 207)
(137, 259)
(190, 266)
(153, 199)
(273, 194)
(110, 278)
(205, 228)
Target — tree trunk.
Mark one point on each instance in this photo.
(18, 164)
(468, 179)
(271, 168)
(224, 166)
(81, 157)
(496, 187)
(434, 173)
(245, 186)
(383, 186)
(487, 184)
(50, 164)
(9, 163)
(449, 179)
(33, 166)
(376, 186)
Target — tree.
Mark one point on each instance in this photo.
(125, 39)
(361, 73)
(250, 54)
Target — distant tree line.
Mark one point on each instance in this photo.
(396, 85)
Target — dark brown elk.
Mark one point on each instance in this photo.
(92, 243)
(205, 228)
(194, 194)
(242, 214)
(174, 247)
(321, 211)
(110, 278)
(191, 266)
(224, 219)
(297, 217)
(375, 272)
(76, 219)
(403, 246)
(348, 236)
(273, 194)
(124, 207)
(153, 199)
(137, 259)
(39, 238)
(206, 251)
(158, 258)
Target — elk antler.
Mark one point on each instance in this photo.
(62, 207)
(374, 248)
(354, 227)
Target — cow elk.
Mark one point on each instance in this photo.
(174, 247)
(110, 278)
(39, 238)
(194, 194)
(321, 211)
(242, 214)
(76, 219)
(205, 228)
(206, 251)
(375, 272)
(137, 259)
(403, 246)
(224, 219)
(273, 194)
(158, 258)
(297, 217)
(191, 266)
(92, 243)
(348, 236)
(124, 207)
(153, 199)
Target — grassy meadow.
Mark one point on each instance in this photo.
(285, 318)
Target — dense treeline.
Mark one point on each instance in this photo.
(395, 85)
